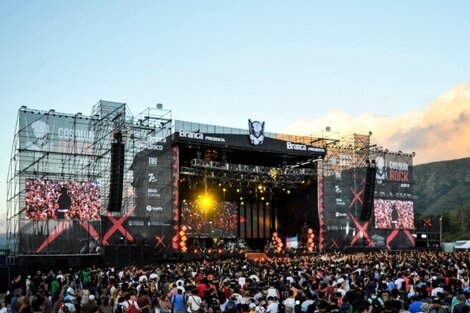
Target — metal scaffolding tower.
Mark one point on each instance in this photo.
(58, 148)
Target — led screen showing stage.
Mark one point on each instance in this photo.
(53, 199)
(205, 219)
(292, 243)
(396, 214)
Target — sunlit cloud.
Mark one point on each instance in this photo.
(439, 132)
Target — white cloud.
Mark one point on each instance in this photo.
(439, 132)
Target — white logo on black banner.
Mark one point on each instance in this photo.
(38, 139)
(380, 172)
(153, 208)
(256, 132)
(153, 161)
(152, 178)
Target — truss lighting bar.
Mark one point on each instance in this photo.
(252, 169)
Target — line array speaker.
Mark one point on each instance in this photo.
(116, 177)
(368, 199)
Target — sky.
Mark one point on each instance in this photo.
(400, 69)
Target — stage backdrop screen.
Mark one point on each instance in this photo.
(396, 214)
(54, 199)
(292, 243)
(217, 220)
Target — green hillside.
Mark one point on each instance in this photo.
(443, 189)
(442, 186)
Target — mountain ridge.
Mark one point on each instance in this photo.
(442, 186)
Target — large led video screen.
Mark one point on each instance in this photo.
(391, 214)
(216, 219)
(55, 199)
(292, 243)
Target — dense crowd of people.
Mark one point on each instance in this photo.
(331, 282)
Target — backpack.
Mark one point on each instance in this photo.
(131, 308)
(118, 309)
(377, 306)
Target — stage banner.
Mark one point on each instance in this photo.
(394, 167)
(343, 194)
(151, 220)
(243, 141)
(41, 133)
(151, 171)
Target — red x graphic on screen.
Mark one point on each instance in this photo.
(427, 222)
(64, 225)
(117, 226)
(90, 229)
(334, 244)
(61, 227)
(361, 230)
(357, 196)
(159, 240)
(410, 236)
(392, 236)
(394, 233)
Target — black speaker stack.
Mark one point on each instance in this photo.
(369, 188)
(117, 173)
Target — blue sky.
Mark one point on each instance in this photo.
(222, 62)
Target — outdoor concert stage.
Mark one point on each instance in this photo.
(145, 188)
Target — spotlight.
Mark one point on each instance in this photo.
(206, 201)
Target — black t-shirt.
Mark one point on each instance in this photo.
(37, 303)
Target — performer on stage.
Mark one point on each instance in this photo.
(65, 202)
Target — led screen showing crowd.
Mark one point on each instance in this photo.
(210, 218)
(53, 199)
(393, 214)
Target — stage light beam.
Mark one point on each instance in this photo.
(206, 201)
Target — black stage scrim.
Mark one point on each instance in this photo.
(297, 208)
(60, 237)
